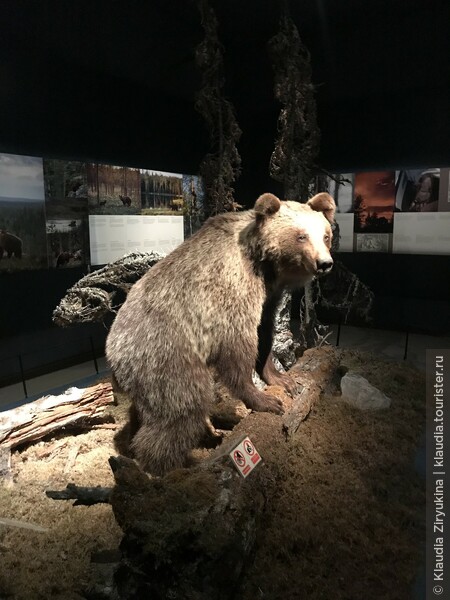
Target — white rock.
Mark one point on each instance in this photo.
(359, 393)
(258, 382)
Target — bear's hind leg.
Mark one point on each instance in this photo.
(173, 414)
(162, 446)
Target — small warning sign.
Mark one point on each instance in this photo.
(239, 458)
(245, 456)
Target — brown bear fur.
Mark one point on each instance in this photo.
(210, 305)
(11, 244)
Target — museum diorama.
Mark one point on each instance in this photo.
(209, 194)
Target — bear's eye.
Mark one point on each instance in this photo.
(326, 238)
(302, 237)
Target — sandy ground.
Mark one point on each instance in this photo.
(346, 523)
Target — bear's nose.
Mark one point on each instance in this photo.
(324, 265)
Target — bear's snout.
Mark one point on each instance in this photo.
(324, 266)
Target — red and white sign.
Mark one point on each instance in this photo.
(245, 456)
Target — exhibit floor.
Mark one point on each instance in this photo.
(389, 344)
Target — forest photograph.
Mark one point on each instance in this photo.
(23, 243)
(193, 204)
(65, 183)
(341, 188)
(66, 242)
(162, 193)
(113, 190)
(374, 202)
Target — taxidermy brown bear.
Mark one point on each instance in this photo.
(210, 304)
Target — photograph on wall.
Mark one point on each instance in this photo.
(193, 200)
(341, 189)
(113, 190)
(417, 190)
(23, 243)
(161, 193)
(65, 184)
(67, 242)
(448, 190)
(374, 202)
(444, 191)
(372, 242)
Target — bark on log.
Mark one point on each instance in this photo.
(313, 373)
(190, 534)
(37, 419)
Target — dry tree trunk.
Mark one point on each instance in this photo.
(37, 419)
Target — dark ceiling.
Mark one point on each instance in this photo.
(116, 81)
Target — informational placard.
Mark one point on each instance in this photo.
(245, 457)
(112, 236)
(345, 222)
(421, 233)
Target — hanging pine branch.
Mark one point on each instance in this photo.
(297, 145)
(296, 148)
(221, 167)
(293, 163)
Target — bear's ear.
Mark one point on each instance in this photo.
(266, 205)
(324, 203)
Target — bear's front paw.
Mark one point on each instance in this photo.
(289, 384)
(284, 381)
(274, 405)
(266, 403)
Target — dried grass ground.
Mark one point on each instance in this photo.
(55, 564)
(346, 523)
(348, 520)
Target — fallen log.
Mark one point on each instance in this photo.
(191, 533)
(37, 419)
(316, 370)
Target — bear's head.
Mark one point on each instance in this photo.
(295, 238)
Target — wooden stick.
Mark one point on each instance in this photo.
(22, 525)
(86, 496)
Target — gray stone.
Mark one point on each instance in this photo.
(359, 393)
